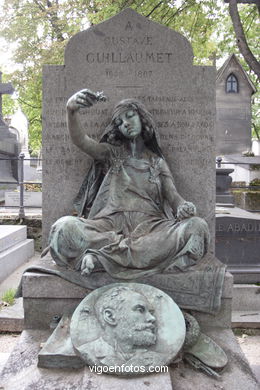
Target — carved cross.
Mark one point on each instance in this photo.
(5, 89)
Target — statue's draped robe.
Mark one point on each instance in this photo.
(130, 228)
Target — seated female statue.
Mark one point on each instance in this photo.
(132, 221)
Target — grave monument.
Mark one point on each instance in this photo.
(234, 91)
(127, 56)
(8, 146)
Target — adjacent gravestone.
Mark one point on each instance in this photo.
(8, 146)
(130, 56)
(19, 125)
(238, 244)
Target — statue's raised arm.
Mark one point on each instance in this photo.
(84, 99)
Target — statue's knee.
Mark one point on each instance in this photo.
(64, 224)
(196, 224)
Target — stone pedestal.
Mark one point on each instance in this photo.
(46, 296)
(21, 371)
(223, 183)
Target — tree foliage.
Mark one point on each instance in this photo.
(40, 30)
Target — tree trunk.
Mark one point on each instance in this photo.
(241, 39)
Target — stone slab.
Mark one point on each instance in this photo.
(246, 319)
(15, 256)
(32, 199)
(238, 244)
(131, 56)
(11, 235)
(41, 304)
(21, 371)
(12, 317)
(246, 297)
(244, 275)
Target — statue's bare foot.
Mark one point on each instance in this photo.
(87, 265)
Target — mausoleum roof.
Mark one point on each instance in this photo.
(225, 66)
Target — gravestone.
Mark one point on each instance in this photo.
(126, 56)
(238, 244)
(19, 124)
(8, 146)
(130, 56)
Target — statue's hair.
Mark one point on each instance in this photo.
(113, 298)
(149, 133)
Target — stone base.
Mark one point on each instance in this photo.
(21, 371)
(42, 303)
(13, 257)
(245, 274)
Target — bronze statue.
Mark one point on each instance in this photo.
(132, 221)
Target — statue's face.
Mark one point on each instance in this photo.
(135, 322)
(129, 123)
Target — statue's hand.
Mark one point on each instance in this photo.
(84, 99)
(186, 210)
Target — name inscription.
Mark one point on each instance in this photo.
(128, 58)
(238, 227)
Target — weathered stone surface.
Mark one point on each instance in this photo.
(238, 244)
(246, 306)
(21, 371)
(15, 256)
(130, 56)
(11, 235)
(233, 125)
(32, 199)
(223, 184)
(45, 296)
(12, 317)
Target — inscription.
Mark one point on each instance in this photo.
(165, 99)
(128, 40)
(239, 227)
(128, 58)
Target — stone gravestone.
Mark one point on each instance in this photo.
(238, 244)
(19, 125)
(129, 56)
(126, 56)
(8, 145)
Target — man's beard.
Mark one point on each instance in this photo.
(144, 335)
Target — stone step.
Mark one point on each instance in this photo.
(246, 319)
(246, 306)
(12, 317)
(246, 297)
(15, 256)
(11, 235)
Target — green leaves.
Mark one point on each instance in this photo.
(40, 29)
